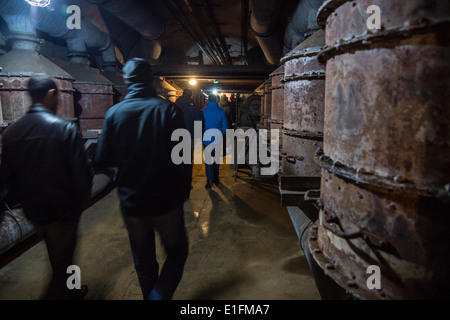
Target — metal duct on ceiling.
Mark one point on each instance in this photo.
(303, 23)
(150, 25)
(263, 25)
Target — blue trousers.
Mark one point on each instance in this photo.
(141, 233)
(212, 170)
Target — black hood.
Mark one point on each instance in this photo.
(138, 76)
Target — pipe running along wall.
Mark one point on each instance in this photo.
(149, 25)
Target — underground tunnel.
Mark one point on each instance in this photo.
(346, 99)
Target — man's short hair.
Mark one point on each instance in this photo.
(39, 85)
(187, 92)
(212, 98)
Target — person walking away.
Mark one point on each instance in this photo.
(191, 113)
(215, 118)
(45, 166)
(136, 138)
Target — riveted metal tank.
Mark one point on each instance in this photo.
(21, 63)
(111, 73)
(267, 103)
(93, 92)
(386, 171)
(277, 106)
(263, 99)
(304, 95)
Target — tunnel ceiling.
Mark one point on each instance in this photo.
(209, 40)
(212, 33)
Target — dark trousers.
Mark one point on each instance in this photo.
(141, 233)
(60, 238)
(212, 170)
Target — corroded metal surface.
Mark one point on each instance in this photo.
(298, 156)
(346, 21)
(385, 183)
(17, 68)
(267, 103)
(304, 91)
(402, 103)
(262, 113)
(16, 100)
(93, 96)
(277, 95)
(95, 100)
(277, 107)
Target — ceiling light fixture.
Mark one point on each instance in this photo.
(39, 3)
(192, 82)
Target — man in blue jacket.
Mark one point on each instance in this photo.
(215, 118)
(136, 137)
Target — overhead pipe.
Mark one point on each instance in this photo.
(303, 23)
(78, 40)
(263, 20)
(219, 34)
(23, 61)
(17, 17)
(149, 25)
(244, 27)
(204, 31)
(175, 11)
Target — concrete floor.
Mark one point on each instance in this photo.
(242, 247)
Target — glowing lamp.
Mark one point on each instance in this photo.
(39, 3)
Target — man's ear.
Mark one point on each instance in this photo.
(52, 92)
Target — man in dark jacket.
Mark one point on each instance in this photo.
(192, 113)
(136, 137)
(44, 165)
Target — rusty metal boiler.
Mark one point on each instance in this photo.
(93, 93)
(277, 105)
(386, 170)
(304, 94)
(262, 114)
(267, 103)
(17, 66)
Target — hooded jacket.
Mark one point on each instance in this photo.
(136, 138)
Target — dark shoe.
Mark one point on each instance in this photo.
(79, 294)
(217, 182)
(208, 186)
